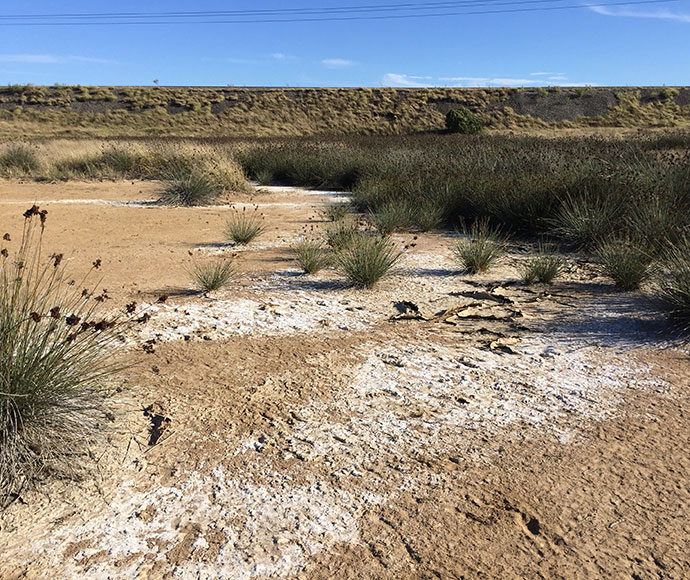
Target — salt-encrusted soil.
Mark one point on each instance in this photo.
(440, 425)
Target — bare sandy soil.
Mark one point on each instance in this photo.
(306, 429)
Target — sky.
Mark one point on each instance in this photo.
(425, 43)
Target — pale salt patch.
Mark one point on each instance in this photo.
(259, 204)
(134, 203)
(289, 303)
(266, 530)
(431, 400)
(327, 195)
(300, 312)
(233, 248)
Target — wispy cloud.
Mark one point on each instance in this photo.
(490, 81)
(337, 63)
(398, 80)
(50, 59)
(546, 74)
(653, 14)
(509, 82)
(283, 57)
(476, 80)
(538, 79)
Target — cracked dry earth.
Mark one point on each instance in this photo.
(439, 426)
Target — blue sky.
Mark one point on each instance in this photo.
(636, 44)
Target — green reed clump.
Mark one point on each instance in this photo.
(323, 163)
(367, 259)
(335, 212)
(429, 217)
(190, 188)
(624, 262)
(311, 255)
(658, 222)
(674, 283)
(245, 226)
(341, 233)
(212, 274)
(264, 176)
(393, 217)
(584, 222)
(479, 247)
(543, 268)
(124, 161)
(56, 358)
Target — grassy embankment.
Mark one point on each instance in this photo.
(33, 111)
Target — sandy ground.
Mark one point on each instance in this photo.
(313, 430)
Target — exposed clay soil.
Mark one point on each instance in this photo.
(291, 426)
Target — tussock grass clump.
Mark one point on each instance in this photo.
(626, 264)
(341, 233)
(18, 160)
(544, 269)
(264, 176)
(393, 217)
(214, 161)
(584, 222)
(311, 255)
(659, 222)
(367, 259)
(190, 188)
(335, 212)
(245, 226)
(429, 217)
(674, 283)
(480, 247)
(55, 356)
(322, 163)
(124, 161)
(212, 274)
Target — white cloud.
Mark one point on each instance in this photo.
(477, 80)
(398, 80)
(49, 59)
(489, 81)
(546, 74)
(337, 63)
(282, 57)
(401, 80)
(509, 82)
(655, 14)
(579, 84)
